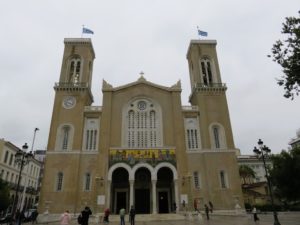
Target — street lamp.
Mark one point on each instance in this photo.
(21, 159)
(262, 152)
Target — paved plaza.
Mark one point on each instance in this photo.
(290, 218)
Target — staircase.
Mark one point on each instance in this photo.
(150, 217)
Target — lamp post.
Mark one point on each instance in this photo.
(27, 170)
(21, 159)
(262, 152)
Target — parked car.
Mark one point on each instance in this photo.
(28, 214)
(5, 219)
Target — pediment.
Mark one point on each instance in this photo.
(141, 80)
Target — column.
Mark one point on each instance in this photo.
(108, 190)
(131, 182)
(154, 210)
(176, 195)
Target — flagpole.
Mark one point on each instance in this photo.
(82, 31)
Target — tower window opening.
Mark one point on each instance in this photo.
(206, 71)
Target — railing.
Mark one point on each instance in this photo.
(70, 85)
(190, 108)
(211, 85)
(92, 108)
(135, 156)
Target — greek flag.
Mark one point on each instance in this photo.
(202, 33)
(87, 31)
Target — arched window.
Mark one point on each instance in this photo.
(64, 137)
(217, 136)
(192, 133)
(206, 71)
(141, 122)
(74, 69)
(223, 179)
(91, 134)
(87, 182)
(216, 133)
(65, 134)
(59, 181)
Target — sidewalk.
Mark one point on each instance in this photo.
(291, 218)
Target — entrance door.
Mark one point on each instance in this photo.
(142, 201)
(163, 203)
(121, 201)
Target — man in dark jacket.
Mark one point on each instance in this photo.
(132, 215)
(85, 215)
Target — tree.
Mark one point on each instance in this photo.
(287, 54)
(4, 195)
(246, 172)
(285, 174)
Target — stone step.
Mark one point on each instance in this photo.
(148, 217)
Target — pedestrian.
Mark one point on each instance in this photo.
(255, 217)
(206, 211)
(183, 204)
(122, 216)
(65, 218)
(132, 215)
(106, 215)
(85, 215)
(34, 216)
(211, 206)
(174, 207)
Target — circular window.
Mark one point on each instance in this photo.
(141, 105)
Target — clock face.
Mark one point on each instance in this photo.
(69, 102)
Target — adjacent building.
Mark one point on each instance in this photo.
(142, 147)
(295, 142)
(255, 189)
(10, 171)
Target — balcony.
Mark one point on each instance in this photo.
(193, 108)
(210, 87)
(64, 86)
(93, 108)
(135, 156)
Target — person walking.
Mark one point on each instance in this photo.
(122, 216)
(132, 215)
(255, 217)
(65, 218)
(211, 206)
(34, 216)
(106, 215)
(206, 211)
(85, 215)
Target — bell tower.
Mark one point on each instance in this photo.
(209, 94)
(72, 94)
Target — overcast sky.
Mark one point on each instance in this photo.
(150, 36)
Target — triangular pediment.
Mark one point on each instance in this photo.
(141, 80)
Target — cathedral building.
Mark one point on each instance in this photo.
(142, 147)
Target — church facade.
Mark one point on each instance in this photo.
(142, 147)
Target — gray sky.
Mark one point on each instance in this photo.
(150, 36)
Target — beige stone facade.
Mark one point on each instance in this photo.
(142, 147)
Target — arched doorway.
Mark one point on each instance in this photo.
(165, 190)
(142, 186)
(120, 190)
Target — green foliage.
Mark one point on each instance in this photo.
(287, 54)
(285, 174)
(246, 172)
(4, 195)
